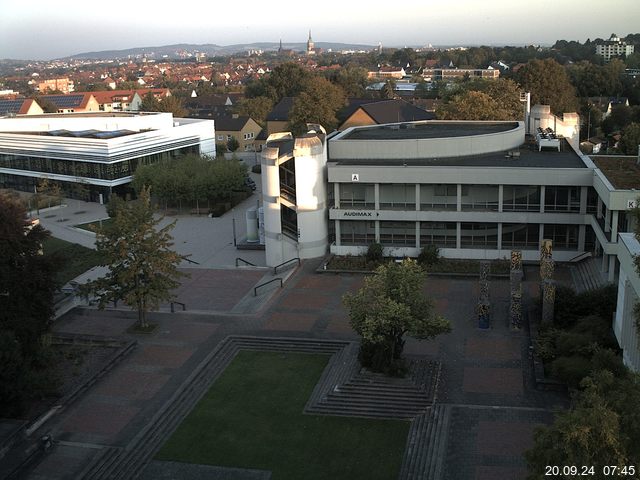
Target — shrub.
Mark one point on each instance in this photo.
(375, 357)
(570, 306)
(374, 252)
(257, 168)
(571, 370)
(429, 255)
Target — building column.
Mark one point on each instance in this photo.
(500, 227)
(337, 230)
(583, 200)
(377, 231)
(500, 201)
(605, 263)
(336, 195)
(459, 199)
(541, 236)
(376, 196)
(612, 268)
(418, 235)
(607, 221)
(543, 192)
(417, 197)
(458, 232)
(614, 226)
(582, 235)
(599, 208)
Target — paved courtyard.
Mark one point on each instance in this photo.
(486, 379)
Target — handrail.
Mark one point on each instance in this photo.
(184, 307)
(243, 260)
(255, 290)
(189, 260)
(275, 269)
(581, 256)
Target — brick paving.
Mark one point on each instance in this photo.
(485, 374)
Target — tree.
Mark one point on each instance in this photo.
(353, 80)
(143, 269)
(286, 80)
(173, 105)
(149, 103)
(469, 106)
(630, 139)
(388, 90)
(27, 287)
(549, 84)
(257, 108)
(233, 144)
(318, 103)
(389, 305)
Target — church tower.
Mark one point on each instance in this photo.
(310, 45)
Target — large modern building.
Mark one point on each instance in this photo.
(614, 47)
(99, 150)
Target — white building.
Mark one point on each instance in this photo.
(614, 47)
(99, 150)
(624, 325)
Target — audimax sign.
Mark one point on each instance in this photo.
(360, 213)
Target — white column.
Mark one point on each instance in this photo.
(614, 226)
(500, 201)
(376, 196)
(337, 230)
(459, 199)
(583, 200)
(500, 229)
(541, 236)
(417, 197)
(582, 234)
(542, 195)
(377, 231)
(607, 221)
(336, 195)
(458, 232)
(418, 235)
(612, 268)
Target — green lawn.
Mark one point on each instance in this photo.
(72, 259)
(91, 226)
(252, 418)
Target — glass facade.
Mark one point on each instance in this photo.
(287, 171)
(398, 234)
(438, 197)
(357, 195)
(441, 234)
(353, 232)
(398, 196)
(562, 199)
(479, 235)
(520, 198)
(480, 197)
(520, 235)
(565, 237)
(84, 169)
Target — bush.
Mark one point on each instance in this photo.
(429, 255)
(571, 370)
(570, 306)
(374, 252)
(375, 357)
(257, 168)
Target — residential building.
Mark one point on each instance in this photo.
(19, 106)
(243, 128)
(371, 112)
(63, 85)
(74, 102)
(614, 47)
(118, 100)
(607, 104)
(98, 150)
(278, 118)
(388, 72)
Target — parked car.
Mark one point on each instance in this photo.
(249, 183)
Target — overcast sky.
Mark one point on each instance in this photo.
(39, 29)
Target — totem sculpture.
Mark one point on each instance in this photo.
(515, 277)
(548, 286)
(483, 309)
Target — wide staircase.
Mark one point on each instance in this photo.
(587, 274)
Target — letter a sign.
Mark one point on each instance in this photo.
(355, 177)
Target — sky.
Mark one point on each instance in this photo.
(42, 30)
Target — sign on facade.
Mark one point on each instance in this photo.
(631, 204)
(355, 177)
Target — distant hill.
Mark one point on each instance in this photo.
(187, 49)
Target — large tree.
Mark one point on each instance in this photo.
(549, 84)
(630, 140)
(26, 304)
(286, 80)
(318, 103)
(142, 266)
(483, 100)
(389, 305)
(257, 108)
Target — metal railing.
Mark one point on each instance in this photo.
(275, 269)
(238, 259)
(255, 290)
(189, 260)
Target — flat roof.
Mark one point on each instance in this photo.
(85, 115)
(622, 171)
(430, 129)
(529, 157)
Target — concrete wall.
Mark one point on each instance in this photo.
(628, 293)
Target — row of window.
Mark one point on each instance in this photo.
(104, 171)
(246, 136)
(444, 234)
(516, 198)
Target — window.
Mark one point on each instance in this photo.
(562, 199)
(564, 237)
(521, 198)
(440, 234)
(398, 196)
(398, 233)
(479, 235)
(480, 197)
(289, 222)
(221, 137)
(438, 197)
(357, 195)
(354, 232)
(229, 137)
(520, 235)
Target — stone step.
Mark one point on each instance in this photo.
(351, 402)
(382, 392)
(437, 444)
(351, 411)
(405, 388)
